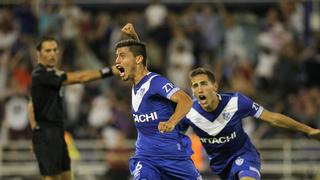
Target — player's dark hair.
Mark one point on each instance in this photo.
(204, 71)
(45, 39)
(136, 47)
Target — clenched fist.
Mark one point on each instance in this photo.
(128, 29)
(166, 126)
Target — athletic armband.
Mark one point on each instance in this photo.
(106, 72)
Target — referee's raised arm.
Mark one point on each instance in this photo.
(48, 53)
(88, 75)
(46, 113)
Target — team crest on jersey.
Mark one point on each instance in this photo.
(239, 161)
(141, 92)
(137, 98)
(226, 115)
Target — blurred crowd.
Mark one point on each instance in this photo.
(271, 55)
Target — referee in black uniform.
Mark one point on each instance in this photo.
(46, 112)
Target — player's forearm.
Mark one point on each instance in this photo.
(286, 122)
(135, 36)
(183, 107)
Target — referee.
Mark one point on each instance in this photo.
(46, 111)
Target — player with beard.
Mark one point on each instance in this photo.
(162, 151)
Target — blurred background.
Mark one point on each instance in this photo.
(268, 50)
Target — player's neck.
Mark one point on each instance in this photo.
(141, 72)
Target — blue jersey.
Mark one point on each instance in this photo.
(151, 104)
(221, 132)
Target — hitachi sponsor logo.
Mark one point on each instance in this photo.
(219, 140)
(145, 117)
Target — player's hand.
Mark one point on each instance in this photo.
(315, 134)
(128, 29)
(166, 126)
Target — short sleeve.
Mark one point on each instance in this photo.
(49, 77)
(249, 107)
(164, 87)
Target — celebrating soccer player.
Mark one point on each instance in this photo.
(216, 119)
(162, 151)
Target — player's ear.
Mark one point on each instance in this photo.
(139, 59)
(38, 55)
(215, 86)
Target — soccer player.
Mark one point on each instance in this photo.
(216, 119)
(46, 114)
(162, 151)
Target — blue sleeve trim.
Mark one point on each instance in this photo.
(174, 90)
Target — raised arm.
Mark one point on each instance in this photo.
(89, 75)
(128, 30)
(284, 121)
(184, 104)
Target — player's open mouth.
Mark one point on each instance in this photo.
(121, 69)
(203, 99)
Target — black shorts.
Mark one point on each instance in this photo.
(50, 150)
